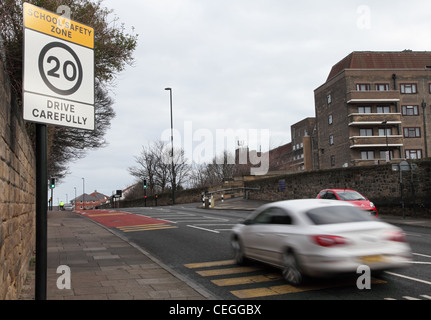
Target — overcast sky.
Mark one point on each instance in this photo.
(245, 65)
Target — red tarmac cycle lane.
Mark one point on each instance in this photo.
(116, 219)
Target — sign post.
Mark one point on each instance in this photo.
(58, 89)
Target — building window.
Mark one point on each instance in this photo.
(363, 87)
(383, 154)
(329, 98)
(383, 109)
(410, 110)
(364, 109)
(365, 132)
(367, 155)
(414, 154)
(412, 132)
(382, 87)
(330, 119)
(383, 133)
(408, 88)
(331, 139)
(332, 161)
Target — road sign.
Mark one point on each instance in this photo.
(58, 84)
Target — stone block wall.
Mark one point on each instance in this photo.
(17, 195)
(378, 183)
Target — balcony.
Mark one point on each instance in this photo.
(356, 119)
(376, 141)
(372, 96)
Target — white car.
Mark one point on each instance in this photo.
(318, 237)
(69, 207)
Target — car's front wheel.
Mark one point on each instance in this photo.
(291, 270)
(238, 251)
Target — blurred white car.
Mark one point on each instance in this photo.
(318, 237)
(69, 207)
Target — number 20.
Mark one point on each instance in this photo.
(53, 71)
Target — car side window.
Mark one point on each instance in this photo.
(273, 216)
(264, 217)
(280, 216)
(331, 196)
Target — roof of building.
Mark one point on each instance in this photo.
(99, 195)
(406, 59)
(87, 197)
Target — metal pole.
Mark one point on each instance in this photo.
(83, 192)
(172, 147)
(41, 212)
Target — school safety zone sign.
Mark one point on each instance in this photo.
(58, 84)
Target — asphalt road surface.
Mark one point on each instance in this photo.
(195, 242)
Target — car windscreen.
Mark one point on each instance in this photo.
(337, 214)
(350, 195)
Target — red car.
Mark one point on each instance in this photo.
(351, 196)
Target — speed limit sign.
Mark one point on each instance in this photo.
(58, 84)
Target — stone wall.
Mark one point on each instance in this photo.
(17, 195)
(183, 196)
(378, 183)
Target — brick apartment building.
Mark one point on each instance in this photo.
(374, 107)
(296, 155)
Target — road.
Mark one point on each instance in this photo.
(195, 243)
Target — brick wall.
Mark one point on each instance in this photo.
(17, 195)
(378, 183)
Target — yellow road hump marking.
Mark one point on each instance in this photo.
(218, 272)
(106, 214)
(255, 279)
(209, 264)
(247, 280)
(147, 227)
(285, 289)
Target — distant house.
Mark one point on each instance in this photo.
(89, 201)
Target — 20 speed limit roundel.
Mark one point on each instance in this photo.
(62, 75)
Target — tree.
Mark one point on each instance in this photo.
(113, 52)
(213, 174)
(154, 164)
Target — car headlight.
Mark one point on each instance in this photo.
(371, 204)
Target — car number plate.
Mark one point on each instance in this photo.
(371, 259)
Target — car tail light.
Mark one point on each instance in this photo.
(397, 236)
(329, 241)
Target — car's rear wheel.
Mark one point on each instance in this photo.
(291, 269)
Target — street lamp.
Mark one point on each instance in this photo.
(388, 154)
(172, 147)
(83, 194)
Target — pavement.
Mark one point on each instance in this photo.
(105, 266)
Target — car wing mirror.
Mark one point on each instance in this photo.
(248, 222)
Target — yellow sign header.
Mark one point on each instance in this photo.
(57, 26)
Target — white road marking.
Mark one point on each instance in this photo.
(202, 229)
(409, 278)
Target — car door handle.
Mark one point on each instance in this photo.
(260, 234)
(282, 235)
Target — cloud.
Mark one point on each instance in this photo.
(240, 64)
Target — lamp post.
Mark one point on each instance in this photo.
(83, 194)
(388, 154)
(172, 147)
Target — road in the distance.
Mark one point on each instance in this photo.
(195, 242)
